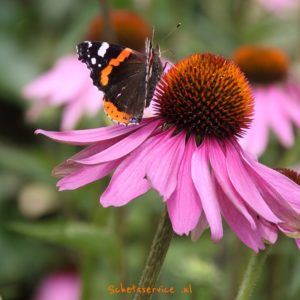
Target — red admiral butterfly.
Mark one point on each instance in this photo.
(128, 78)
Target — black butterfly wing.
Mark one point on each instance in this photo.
(127, 87)
(119, 72)
(97, 55)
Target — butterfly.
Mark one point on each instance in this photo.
(127, 77)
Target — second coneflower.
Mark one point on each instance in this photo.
(276, 95)
(189, 153)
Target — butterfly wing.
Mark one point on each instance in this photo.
(120, 73)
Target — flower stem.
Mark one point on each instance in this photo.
(252, 274)
(158, 251)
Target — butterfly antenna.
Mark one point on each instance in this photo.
(168, 36)
(172, 31)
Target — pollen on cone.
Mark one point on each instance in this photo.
(262, 64)
(206, 95)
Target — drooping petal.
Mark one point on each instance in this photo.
(298, 243)
(284, 186)
(121, 148)
(184, 205)
(238, 223)
(291, 104)
(85, 175)
(71, 115)
(280, 206)
(244, 184)
(200, 227)
(69, 166)
(87, 101)
(164, 163)
(90, 136)
(128, 181)
(218, 163)
(267, 230)
(62, 91)
(203, 183)
(279, 121)
(256, 137)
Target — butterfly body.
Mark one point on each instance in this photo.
(128, 78)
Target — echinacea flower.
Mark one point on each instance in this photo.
(62, 285)
(276, 95)
(68, 83)
(279, 7)
(189, 153)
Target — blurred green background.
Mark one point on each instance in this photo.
(72, 231)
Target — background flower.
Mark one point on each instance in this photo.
(62, 285)
(279, 7)
(276, 95)
(68, 83)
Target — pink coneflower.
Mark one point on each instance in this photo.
(68, 83)
(189, 153)
(63, 285)
(276, 95)
(279, 7)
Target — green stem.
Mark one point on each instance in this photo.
(158, 251)
(252, 274)
(86, 273)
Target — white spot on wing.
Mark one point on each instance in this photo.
(89, 44)
(102, 49)
(93, 60)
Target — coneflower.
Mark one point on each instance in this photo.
(189, 153)
(276, 96)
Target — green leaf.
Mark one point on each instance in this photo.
(77, 235)
(23, 163)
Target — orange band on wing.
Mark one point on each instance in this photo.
(113, 63)
(112, 112)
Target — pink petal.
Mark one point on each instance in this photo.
(279, 122)
(268, 231)
(162, 168)
(298, 243)
(279, 205)
(200, 228)
(121, 148)
(78, 76)
(244, 185)
(92, 100)
(39, 88)
(184, 211)
(71, 115)
(128, 181)
(70, 165)
(238, 223)
(204, 185)
(292, 105)
(256, 137)
(62, 285)
(286, 188)
(37, 108)
(89, 136)
(85, 175)
(218, 163)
